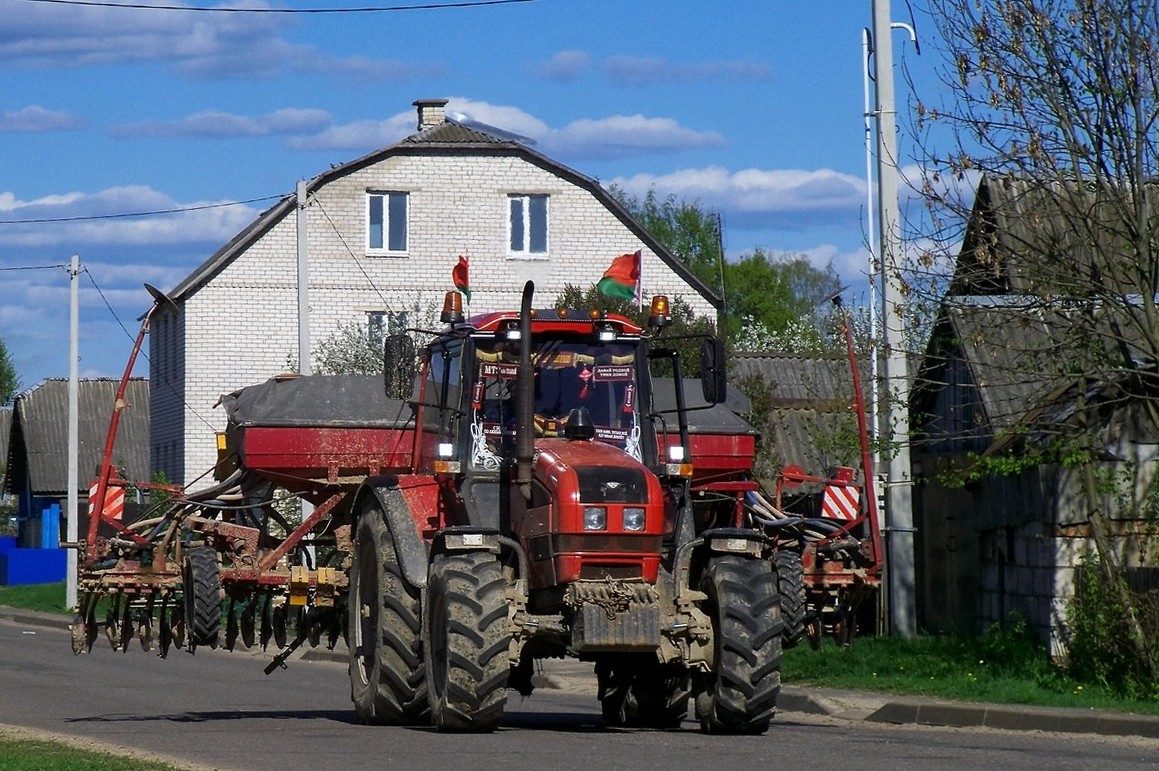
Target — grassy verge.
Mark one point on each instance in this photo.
(36, 755)
(1003, 668)
(48, 598)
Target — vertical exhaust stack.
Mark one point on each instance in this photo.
(525, 399)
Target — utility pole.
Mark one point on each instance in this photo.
(899, 498)
(303, 283)
(73, 429)
(304, 318)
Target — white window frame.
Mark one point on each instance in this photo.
(527, 225)
(390, 226)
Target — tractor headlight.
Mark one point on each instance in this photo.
(595, 518)
(633, 518)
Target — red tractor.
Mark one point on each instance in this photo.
(527, 494)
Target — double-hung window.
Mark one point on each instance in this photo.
(528, 225)
(386, 222)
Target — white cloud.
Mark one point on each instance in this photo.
(36, 119)
(564, 66)
(215, 124)
(89, 219)
(785, 198)
(360, 136)
(208, 45)
(628, 135)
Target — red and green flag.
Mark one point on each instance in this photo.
(461, 278)
(622, 279)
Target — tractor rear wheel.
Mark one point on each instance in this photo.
(384, 632)
(791, 588)
(467, 641)
(740, 695)
(201, 584)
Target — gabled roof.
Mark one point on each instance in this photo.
(38, 448)
(1053, 238)
(446, 138)
(1007, 353)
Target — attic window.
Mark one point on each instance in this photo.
(386, 223)
(527, 225)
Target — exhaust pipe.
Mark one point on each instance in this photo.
(525, 399)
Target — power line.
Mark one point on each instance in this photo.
(34, 267)
(362, 9)
(143, 354)
(125, 215)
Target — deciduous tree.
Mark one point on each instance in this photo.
(1055, 105)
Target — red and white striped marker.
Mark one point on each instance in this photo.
(114, 501)
(840, 501)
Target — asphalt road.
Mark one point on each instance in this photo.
(218, 710)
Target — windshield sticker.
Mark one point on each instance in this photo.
(502, 370)
(606, 373)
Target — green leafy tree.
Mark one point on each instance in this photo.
(9, 381)
(767, 296)
(685, 334)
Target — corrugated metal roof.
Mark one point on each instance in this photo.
(811, 423)
(813, 382)
(1049, 238)
(1020, 357)
(38, 452)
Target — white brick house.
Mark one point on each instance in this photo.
(382, 234)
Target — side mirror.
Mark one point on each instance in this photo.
(398, 366)
(712, 373)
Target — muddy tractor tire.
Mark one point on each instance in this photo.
(384, 632)
(658, 697)
(201, 587)
(740, 695)
(467, 665)
(791, 588)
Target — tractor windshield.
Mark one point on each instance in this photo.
(601, 377)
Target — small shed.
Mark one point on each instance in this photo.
(37, 457)
(1024, 348)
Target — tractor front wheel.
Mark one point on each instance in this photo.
(740, 694)
(467, 641)
(384, 632)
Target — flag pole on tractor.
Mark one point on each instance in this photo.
(622, 278)
(461, 277)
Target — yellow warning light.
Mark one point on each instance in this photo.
(659, 315)
(452, 308)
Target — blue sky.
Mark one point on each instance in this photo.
(751, 107)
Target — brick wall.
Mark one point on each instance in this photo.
(241, 327)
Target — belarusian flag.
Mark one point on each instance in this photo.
(622, 279)
(461, 279)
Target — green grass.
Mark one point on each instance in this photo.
(37, 755)
(998, 668)
(48, 598)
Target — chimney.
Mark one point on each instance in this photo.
(432, 112)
